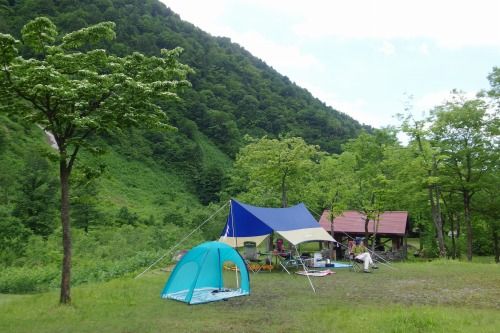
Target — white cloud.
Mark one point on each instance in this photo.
(424, 49)
(204, 14)
(449, 23)
(427, 102)
(357, 108)
(388, 48)
(284, 57)
(426, 24)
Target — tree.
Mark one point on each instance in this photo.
(36, 204)
(13, 237)
(464, 132)
(333, 183)
(429, 161)
(370, 180)
(75, 90)
(84, 206)
(268, 170)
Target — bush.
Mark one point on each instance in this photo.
(99, 255)
(482, 243)
(28, 279)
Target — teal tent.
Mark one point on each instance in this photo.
(198, 276)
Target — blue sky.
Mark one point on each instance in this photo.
(364, 57)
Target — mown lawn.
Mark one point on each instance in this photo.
(439, 296)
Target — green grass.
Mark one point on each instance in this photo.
(212, 155)
(143, 189)
(439, 296)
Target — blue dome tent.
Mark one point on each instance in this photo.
(197, 277)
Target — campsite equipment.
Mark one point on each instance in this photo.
(198, 276)
(318, 260)
(295, 224)
(338, 265)
(316, 272)
(252, 257)
(251, 223)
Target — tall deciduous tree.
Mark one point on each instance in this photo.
(464, 132)
(267, 170)
(74, 90)
(369, 177)
(429, 160)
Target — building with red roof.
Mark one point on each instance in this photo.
(393, 226)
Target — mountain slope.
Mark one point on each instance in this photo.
(233, 94)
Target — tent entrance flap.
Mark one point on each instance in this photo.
(251, 223)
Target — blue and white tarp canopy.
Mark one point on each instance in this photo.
(251, 223)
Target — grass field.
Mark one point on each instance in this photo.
(439, 296)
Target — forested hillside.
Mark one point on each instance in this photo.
(138, 190)
(233, 93)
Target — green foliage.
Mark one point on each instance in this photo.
(124, 217)
(100, 254)
(36, 205)
(13, 237)
(430, 245)
(209, 184)
(269, 171)
(20, 280)
(482, 243)
(234, 93)
(84, 211)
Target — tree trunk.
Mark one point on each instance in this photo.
(495, 245)
(284, 199)
(437, 212)
(375, 230)
(65, 171)
(435, 207)
(453, 243)
(436, 217)
(367, 220)
(333, 252)
(468, 223)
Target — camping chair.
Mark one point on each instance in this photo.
(356, 264)
(284, 256)
(251, 256)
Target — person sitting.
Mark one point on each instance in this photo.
(280, 249)
(360, 252)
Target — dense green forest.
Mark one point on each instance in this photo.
(148, 177)
(241, 130)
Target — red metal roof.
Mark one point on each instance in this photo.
(390, 223)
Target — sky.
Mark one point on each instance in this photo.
(366, 58)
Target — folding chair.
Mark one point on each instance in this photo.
(251, 256)
(286, 260)
(356, 264)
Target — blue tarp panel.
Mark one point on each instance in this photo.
(252, 221)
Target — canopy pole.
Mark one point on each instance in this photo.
(235, 238)
(182, 240)
(305, 269)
